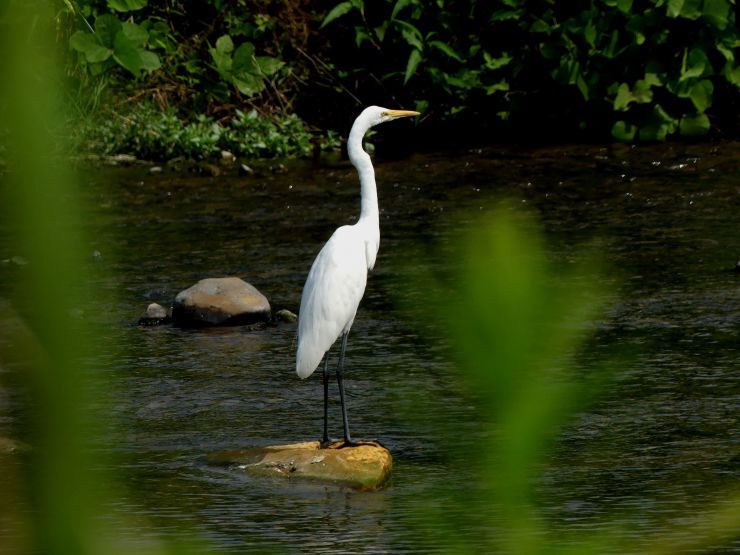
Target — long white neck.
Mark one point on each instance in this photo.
(361, 161)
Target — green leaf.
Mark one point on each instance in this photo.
(359, 5)
(127, 54)
(642, 91)
(244, 61)
(539, 26)
(135, 33)
(268, 65)
(90, 46)
(412, 64)
(336, 12)
(400, 5)
(107, 27)
(694, 126)
(623, 131)
(361, 36)
(701, 95)
(732, 74)
(653, 79)
(580, 82)
(590, 34)
(495, 63)
(126, 5)
(446, 49)
(726, 52)
(659, 126)
(624, 5)
(224, 44)
(611, 49)
(248, 84)
(149, 60)
(695, 64)
(505, 15)
(624, 97)
(222, 59)
(411, 34)
(502, 85)
(380, 31)
(716, 13)
(689, 9)
(636, 25)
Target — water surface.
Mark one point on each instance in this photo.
(662, 437)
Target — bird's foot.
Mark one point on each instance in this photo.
(348, 442)
(328, 443)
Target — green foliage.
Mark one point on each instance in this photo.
(646, 70)
(124, 43)
(155, 134)
(649, 69)
(241, 67)
(210, 53)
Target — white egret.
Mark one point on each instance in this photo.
(336, 281)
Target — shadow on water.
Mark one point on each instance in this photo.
(666, 217)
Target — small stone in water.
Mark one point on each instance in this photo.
(155, 310)
(155, 169)
(155, 315)
(245, 170)
(285, 315)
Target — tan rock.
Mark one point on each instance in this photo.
(220, 301)
(365, 467)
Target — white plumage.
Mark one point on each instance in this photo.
(336, 282)
(332, 293)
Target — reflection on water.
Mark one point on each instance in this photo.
(666, 217)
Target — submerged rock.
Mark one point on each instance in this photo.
(220, 302)
(155, 315)
(364, 467)
(285, 315)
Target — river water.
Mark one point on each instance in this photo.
(661, 439)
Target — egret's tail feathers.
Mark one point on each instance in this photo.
(304, 372)
(306, 362)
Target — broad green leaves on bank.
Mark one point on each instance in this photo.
(125, 43)
(646, 70)
(241, 66)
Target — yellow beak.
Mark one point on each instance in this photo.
(402, 113)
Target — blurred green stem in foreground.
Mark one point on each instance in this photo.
(42, 213)
(56, 498)
(518, 325)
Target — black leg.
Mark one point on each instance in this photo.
(340, 369)
(325, 438)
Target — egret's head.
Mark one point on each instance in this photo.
(374, 115)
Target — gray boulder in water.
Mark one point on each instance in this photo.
(220, 302)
